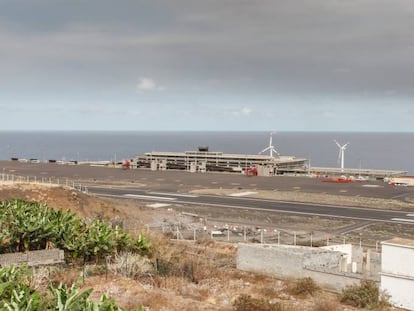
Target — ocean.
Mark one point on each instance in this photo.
(394, 151)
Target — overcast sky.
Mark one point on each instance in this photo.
(332, 65)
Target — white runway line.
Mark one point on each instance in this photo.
(138, 196)
(158, 205)
(176, 194)
(242, 194)
(403, 219)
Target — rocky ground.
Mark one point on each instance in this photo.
(213, 282)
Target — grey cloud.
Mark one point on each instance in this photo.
(306, 50)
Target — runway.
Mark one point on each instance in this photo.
(174, 187)
(293, 208)
(180, 181)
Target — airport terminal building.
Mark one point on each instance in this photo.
(204, 160)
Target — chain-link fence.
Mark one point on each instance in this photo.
(64, 182)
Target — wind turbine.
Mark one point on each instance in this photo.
(271, 148)
(341, 155)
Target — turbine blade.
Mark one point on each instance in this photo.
(265, 149)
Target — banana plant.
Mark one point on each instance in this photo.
(32, 226)
(24, 300)
(69, 299)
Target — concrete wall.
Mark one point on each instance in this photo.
(33, 258)
(397, 273)
(270, 259)
(397, 260)
(400, 289)
(345, 249)
(324, 266)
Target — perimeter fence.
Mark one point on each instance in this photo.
(56, 181)
(209, 230)
(202, 228)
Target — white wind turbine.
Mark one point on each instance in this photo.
(341, 155)
(271, 148)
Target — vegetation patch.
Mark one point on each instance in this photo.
(17, 293)
(365, 295)
(303, 286)
(247, 303)
(30, 226)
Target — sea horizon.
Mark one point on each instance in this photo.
(367, 150)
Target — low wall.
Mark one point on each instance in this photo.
(33, 258)
(324, 266)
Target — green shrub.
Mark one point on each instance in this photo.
(32, 226)
(17, 294)
(365, 295)
(303, 286)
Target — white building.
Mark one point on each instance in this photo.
(397, 271)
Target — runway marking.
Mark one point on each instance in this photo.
(372, 186)
(157, 205)
(402, 195)
(410, 215)
(343, 191)
(175, 194)
(235, 184)
(247, 208)
(403, 219)
(139, 196)
(160, 179)
(214, 182)
(282, 211)
(242, 194)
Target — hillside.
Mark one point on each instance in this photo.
(191, 275)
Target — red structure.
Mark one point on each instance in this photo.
(251, 171)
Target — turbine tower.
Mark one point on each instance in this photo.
(271, 148)
(341, 155)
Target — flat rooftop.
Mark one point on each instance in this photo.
(221, 155)
(356, 171)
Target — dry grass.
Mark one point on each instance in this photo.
(325, 303)
(67, 276)
(303, 287)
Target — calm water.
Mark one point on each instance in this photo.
(367, 150)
